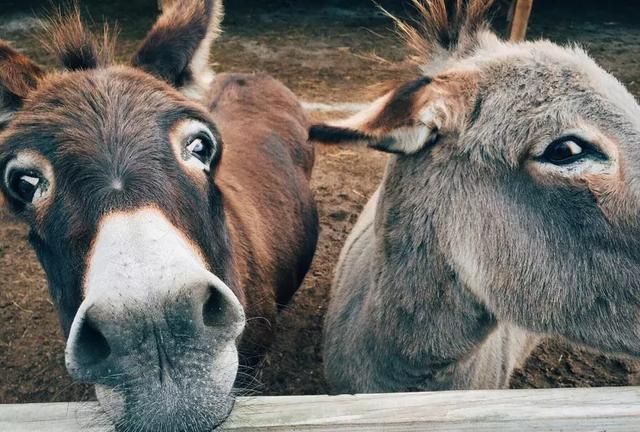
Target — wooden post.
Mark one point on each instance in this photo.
(520, 20)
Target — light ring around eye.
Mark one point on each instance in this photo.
(28, 178)
(195, 146)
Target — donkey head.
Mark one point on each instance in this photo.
(521, 163)
(113, 168)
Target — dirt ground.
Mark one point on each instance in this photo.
(325, 54)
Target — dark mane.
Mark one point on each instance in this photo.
(67, 38)
(443, 27)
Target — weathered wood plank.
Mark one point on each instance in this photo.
(575, 410)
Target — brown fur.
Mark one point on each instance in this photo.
(253, 202)
(266, 254)
(112, 142)
(67, 38)
(401, 105)
(19, 76)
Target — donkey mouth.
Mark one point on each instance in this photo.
(170, 386)
(176, 404)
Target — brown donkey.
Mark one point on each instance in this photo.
(161, 221)
(509, 211)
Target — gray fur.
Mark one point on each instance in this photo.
(472, 251)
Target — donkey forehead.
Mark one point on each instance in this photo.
(543, 68)
(102, 99)
(99, 114)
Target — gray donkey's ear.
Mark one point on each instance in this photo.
(176, 49)
(415, 114)
(18, 77)
(406, 119)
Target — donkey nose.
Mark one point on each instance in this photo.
(110, 331)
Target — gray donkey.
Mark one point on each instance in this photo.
(509, 211)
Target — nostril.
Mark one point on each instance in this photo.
(213, 310)
(91, 345)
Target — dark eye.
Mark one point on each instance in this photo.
(24, 185)
(569, 150)
(202, 147)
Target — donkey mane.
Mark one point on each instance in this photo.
(67, 38)
(441, 32)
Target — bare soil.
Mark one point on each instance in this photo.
(325, 54)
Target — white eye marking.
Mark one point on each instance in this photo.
(574, 148)
(31, 180)
(38, 184)
(196, 146)
(201, 148)
(32, 189)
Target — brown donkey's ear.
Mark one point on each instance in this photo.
(18, 76)
(177, 47)
(406, 119)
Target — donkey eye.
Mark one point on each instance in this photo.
(196, 145)
(201, 147)
(26, 186)
(569, 150)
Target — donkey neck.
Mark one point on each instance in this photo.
(415, 293)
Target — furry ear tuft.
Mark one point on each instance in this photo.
(443, 29)
(408, 119)
(329, 134)
(68, 39)
(334, 134)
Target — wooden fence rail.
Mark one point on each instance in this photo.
(570, 410)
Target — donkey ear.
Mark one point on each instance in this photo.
(177, 47)
(404, 120)
(18, 76)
